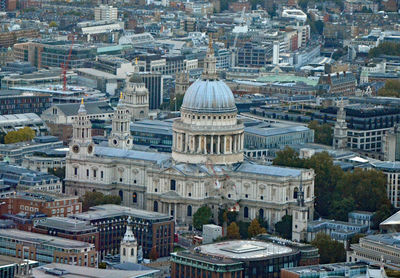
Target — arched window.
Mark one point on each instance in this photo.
(121, 195)
(308, 192)
(261, 213)
(173, 184)
(295, 192)
(246, 212)
(123, 251)
(132, 252)
(189, 210)
(76, 193)
(155, 206)
(134, 197)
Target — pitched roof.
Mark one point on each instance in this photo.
(98, 107)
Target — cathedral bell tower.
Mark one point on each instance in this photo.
(121, 134)
(81, 143)
(128, 249)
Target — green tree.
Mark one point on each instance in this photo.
(323, 134)
(341, 208)
(244, 229)
(330, 251)
(356, 238)
(21, 135)
(380, 215)
(58, 172)
(385, 48)
(91, 199)
(102, 265)
(176, 103)
(391, 89)
(288, 157)
(255, 228)
(284, 227)
(233, 231)
(201, 217)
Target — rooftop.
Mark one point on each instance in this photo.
(106, 211)
(67, 224)
(245, 249)
(275, 131)
(131, 154)
(98, 107)
(386, 239)
(325, 268)
(73, 271)
(41, 239)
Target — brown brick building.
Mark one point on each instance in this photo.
(49, 204)
(8, 39)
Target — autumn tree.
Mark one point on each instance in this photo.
(201, 217)
(391, 89)
(255, 228)
(233, 231)
(330, 251)
(21, 135)
(323, 134)
(288, 157)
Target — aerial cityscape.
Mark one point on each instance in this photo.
(199, 138)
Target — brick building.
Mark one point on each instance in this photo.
(339, 83)
(150, 228)
(68, 228)
(8, 39)
(50, 204)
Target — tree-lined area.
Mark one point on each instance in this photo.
(337, 192)
(391, 89)
(21, 135)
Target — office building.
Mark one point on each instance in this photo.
(44, 160)
(150, 228)
(11, 267)
(46, 203)
(46, 249)
(154, 134)
(237, 258)
(68, 228)
(377, 249)
(392, 173)
(391, 144)
(15, 102)
(24, 179)
(342, 84)
(154, 84)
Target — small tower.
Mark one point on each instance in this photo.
(81, 142)
(136, 97)
(210, 62)
(181, 83)
(299, 216)
(121, 134)
(340, 131)
(128, 249)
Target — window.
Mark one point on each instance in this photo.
(189, 211)
(94, 173)
(101, 174)
(173, 185)
(75, 171)
(295, 192)
(134, 197)
(87, 172)
(261, 213)
(121, 195)
(246, 212)
(132, 252)
(155, 208)
(123, 251)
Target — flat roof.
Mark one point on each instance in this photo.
(325, 267)
(74, 271)
(275, 131)
(105, 211)
(259, 169)
(43, 239)
(131, 154)
(68, 224)
(245, 249)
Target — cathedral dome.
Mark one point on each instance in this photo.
(209, 96)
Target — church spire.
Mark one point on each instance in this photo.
(210, 63)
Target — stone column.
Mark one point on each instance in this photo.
(173, 140)
(175, 212)
(186, 142)
(212, 145)
(218, 144)
(234, 144)
(205, 144)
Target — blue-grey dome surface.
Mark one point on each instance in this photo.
(209, 96)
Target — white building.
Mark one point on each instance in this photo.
(207, 165)
(128, 248)
(211, 232)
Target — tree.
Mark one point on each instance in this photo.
(201, 217)
(176, 103)
(21, 135)
(102, 265)
(284, 227)
(380, 215)
(330, 251)
(91, 199)
(255, 228)
(58, 172)
(53, 24)
(153, 255)
(385, 48)
(288, 157)
(233, 231)
(244, 229)
(323, 134)
(391, 89)
(356, 238)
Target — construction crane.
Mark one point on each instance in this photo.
(64, 66)
(233, 62)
